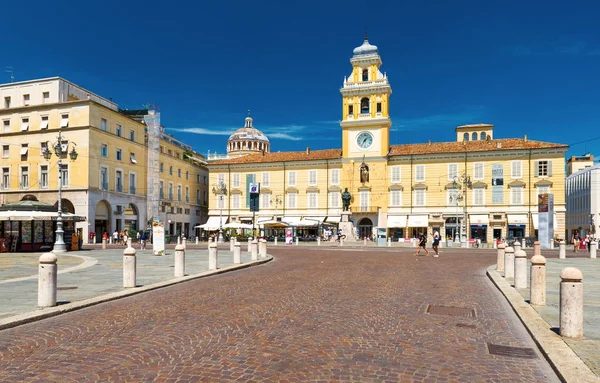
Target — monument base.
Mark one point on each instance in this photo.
(346, 226)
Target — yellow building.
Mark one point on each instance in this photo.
(108, 182)
(486, 186)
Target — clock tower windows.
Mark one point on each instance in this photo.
(350, 110)
(378, 107)
(365, 75)
(364, 105)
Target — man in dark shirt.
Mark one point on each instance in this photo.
(422, 243)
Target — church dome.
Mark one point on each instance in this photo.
(365, 49)
(247, 140)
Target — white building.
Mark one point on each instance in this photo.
(583, 200)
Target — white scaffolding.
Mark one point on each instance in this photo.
(152, 120)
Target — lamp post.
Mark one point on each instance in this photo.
(465, 180)
(61, 147)
(220, 190)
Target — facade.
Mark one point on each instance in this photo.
(583, 201)
(108, 182)
(487, 186)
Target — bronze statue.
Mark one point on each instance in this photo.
(364, 173)
(346, 197)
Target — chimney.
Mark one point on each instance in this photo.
(308, 150)
(498, 145)
(429, 143)
(524, 137)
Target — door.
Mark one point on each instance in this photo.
(365, 228)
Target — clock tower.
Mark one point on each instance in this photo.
(365, 106)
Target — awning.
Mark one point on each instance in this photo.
(44, 124)
(536, 219)
(291, 221)
(237, 225)
(19, 215)
(396, 221)
(132, 158)
(24, 150)
(311, 221)
(212, 224)
(517, 219)
(273, 223)
(64, 121)
(418, 220)
(259, 220)
(333, 219)
(25, 125)
(479, 219)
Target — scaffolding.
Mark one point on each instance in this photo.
(152, 120)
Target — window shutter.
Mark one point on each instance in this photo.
(549, 168)
(536, 168)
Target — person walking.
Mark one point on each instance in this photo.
(436, 243)
(575, 240)
(422, 244)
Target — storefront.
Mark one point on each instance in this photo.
(396, 224)
(452, 225)
(516, 225)
(478, 226)
(418, 224)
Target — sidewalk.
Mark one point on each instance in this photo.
(94, 274)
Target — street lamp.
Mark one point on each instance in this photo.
(220, 190)
(465, 180)
(61, 147)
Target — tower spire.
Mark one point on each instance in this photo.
(366, 34)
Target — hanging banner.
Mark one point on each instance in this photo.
(158, 238)
(546, 220)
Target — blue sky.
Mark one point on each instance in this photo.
(525, 66)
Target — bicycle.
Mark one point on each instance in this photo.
(342, 237)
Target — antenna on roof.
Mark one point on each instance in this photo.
(10, 70)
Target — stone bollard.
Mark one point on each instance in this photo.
(196, 240)
(129, 242)
(537, 248)
(296, 241)
(275, 241)
(318, 241)
(520, 269)
(178, 240)
(562, 250)
(500, 257)
(341, 241)
(262, 249)
(249, 244)
(571, 303)
(509, 262)
(179, 261)
(184, 243)
(364, 242)
(237, 253)
(593, 249)
(389, 242)
(537, 290)
(103, 243)
(517, 246)
(129, 267)
(231, 243)
(47, 280)
(213, 257)
(254, 250)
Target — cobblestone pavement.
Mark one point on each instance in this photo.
(309, 315)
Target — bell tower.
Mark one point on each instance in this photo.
(365, 106)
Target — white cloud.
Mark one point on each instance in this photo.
(284, 136)
(216, 132)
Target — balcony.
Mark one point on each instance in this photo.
(162, 194)
(171, 196)
(187, 199)
(132, 190)
(119, 188)
(365, 209)
(104, 186)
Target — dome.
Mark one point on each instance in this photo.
(365, 49)
(247, 140)
(248, 132)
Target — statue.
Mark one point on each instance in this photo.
(346, 197)
(364, 173)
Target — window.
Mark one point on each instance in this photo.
(179, 173)
(24, 124)
(132, 158)
(24, 177)
(6, 126)
(25, 99)
(420, 173)
(64, 175)
(118, 129)
(235, 180)
(292, 178)
(474, 136)
(64, 121)
(119, 155)
(5, 151)
(266, 180)
(7, 102)
(452, 172)
(132, 135)
(5, 178)
(482, 136)
(351, 110)
(187, 194)
(543, 190)
(43, 176)
(119, 181)
(179, 193)
(364, 105)
(365, 75)
(171, 191)
(312, 177)
(478, 171)
(378, 107)
(364, 200)
(131, 183)
(161, 188)
(312, 200)
(187, 175)
(478, 196)
(516, 195)
(104, 150)
(170, 152)
(516, 169)
(235, 201)
(24, 151)
(334, 199)
(395, 174)
(543, 168)
(205, 180)
(220, 179)
(335, 176)
(396, 198)
(291, 200)
(104, 124)
(103, 177)
(420, 197)
(170, 170)
(466, 137)
(44, 123)
(162, 167)
(266, 201)
(45, 97)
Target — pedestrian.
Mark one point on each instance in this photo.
(575, 240)
(588, 241)
(143, 239)
(422, 244)
(115, 237)
(125, 239)
(436, 243)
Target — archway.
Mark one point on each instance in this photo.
(131, 218)
(66, 205)
(102, 219)
(365, 228)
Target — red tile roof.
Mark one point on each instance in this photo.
(327, 154)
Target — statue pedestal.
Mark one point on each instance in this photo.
(346, 226)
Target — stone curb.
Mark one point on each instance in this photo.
(565, 362)
(44, 313)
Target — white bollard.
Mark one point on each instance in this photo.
(196, 240)
(296, 241)
(231, 243)
(249, 244)
(129, 242)
(254, 250)
(562, 250)
(520, 269)
(341, 241)
(262, 250)
(364, 241)
(183, 242)
(178, 240)
(275, 242)
(537, 291)
(179, 261)
(389, 242)
(593, 249)
(103, 243)
(509, 262)
(571, 303)
(500, 257)
(537, 248)
(47, 280)
(213, 257)
(318, 241)
(517, 246)
(237, 253)
(129, 267)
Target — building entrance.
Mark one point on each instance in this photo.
(365, 228)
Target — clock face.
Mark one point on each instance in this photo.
(364, 140)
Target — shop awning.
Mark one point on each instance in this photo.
(272, 223)
(479, 219)
(213, 223)
(291, 221)
(396, 221)
(418, 220)
(311, 221)
(517, 219)
(333, 219)
(536, 219)
(18, 215)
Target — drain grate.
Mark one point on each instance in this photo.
(452, 311)
(514, 352)
(66, 288)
